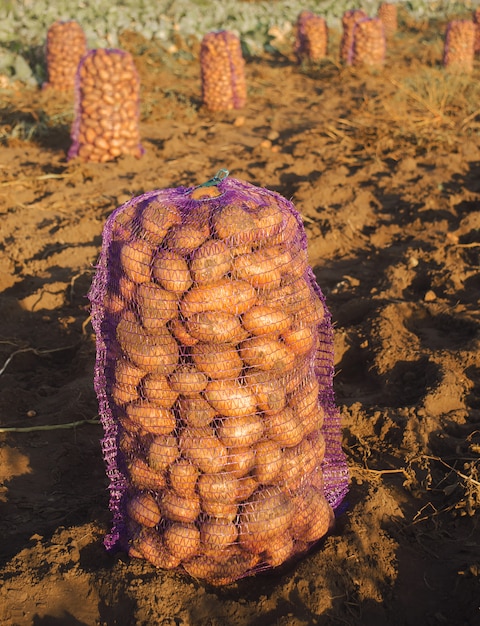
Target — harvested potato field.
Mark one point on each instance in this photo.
(383, 164)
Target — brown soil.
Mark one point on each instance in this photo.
(385, 168)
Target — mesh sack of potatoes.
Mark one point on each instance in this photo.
(459, 47)
(214, 378)
(369, 43)
(107, 105)
(311, 37)
(476, 21)
(66, 45)
(222, 71)
(387, 12)
(349, 19)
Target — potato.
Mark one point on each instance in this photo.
(180, 333)
(235, 223)
(284, 427)
(170, 270)
(312, 313)
(157, 218)
(163, 451)
(268, 461)
(281, 257)
(187, 380)
(268, 390)
(220, 510)
(135, 259)
(232, 563)
(143, 509)
(294, 257)
(230, 398)
(304, 401)
(280, 548)
(203, 449)
(313, 422)
(306, 395)
(267, 513)
(290, 231)
(124, 222)
(240, 431)
(203, 193)
(194, 231)
(127, 440)
(217, 487)
(194, 410)
(178, 509)
(269, 219)
(266, 320)
(232, 296)
(183, 477)
(155, 389)
(216, 534)
(302, 368)
(265, 353)
(298, 464)
(182, 540)
(217, 326)
(127, 381)
(301, 339)
(240, 460)
(128, 330)
(318, 443)
(291, 296)
(217, 360)
(210, 262)
(154, 353)
(127, 374)
(316, 479)
(144, 477)
(245, 487)
(119, 294)
(153, 419)
(150, 546)
(113, 303)
(258, 269)
(313, 516)
(156, 306)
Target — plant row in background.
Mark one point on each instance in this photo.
(107, 88)
(23, 23)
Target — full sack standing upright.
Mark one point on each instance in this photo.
(214, 375)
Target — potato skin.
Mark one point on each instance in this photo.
(210, 262)
(217, 360)
(240, 431)
(135, 259)
(170, 270)
(232, 296)
(217, 326)
(230, 398)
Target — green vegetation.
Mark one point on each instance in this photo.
(24, 23)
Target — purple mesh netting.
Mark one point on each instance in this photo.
(349, 20)
(118, 114)
(356, 54)
(460, 44)
(311, 31)
(123, 230)
(222, 71)
(238, 97)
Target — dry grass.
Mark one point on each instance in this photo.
(434, 97)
